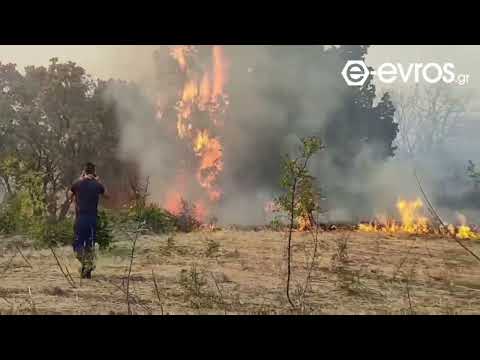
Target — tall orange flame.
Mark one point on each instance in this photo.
(203, 91)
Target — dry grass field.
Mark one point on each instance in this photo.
(243, 272)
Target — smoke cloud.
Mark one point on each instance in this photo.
(274, 100)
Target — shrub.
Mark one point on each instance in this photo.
(104, 230)
(10, 211)
(156, 219)
(276, 224)
(45, 233)
(186, 221)
(193, 281)
(212, 248)
(19, 214)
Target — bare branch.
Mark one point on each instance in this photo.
(24, 258)
(7, 266)
(157, 292)
(442, 223)
(220, 293)
(69, 278)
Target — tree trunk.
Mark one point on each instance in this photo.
(289, 248)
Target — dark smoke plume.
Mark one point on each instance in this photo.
(277, 94)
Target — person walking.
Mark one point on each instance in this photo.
(86, 193)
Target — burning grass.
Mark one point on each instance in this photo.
(413, 222)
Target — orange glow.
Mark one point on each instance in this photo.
(201, 141)
(190, 92)
(205, 91)
(173, 202)
(201, 211)
(220, 67)
(465, 231)
(202, 96)
(304, 223)
(211, 165)
(180, 54)
(411, 222)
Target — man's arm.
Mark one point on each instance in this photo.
(71, 192)
(70, 195)
(103, 192)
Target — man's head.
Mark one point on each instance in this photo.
(89, 169)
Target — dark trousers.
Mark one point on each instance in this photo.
(85, 237)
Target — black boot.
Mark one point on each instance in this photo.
(86, 273)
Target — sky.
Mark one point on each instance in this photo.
(130, 62)
(103, 61)
(123, 60)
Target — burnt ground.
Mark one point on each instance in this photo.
(243, 272)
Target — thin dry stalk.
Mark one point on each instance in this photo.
(130, 269)
(137, 301)
(220, 293)
(314, 232)
(293, 201)
(23, 256)
(435, 214)
(69, 279)
(408, 278)
(409, 298)
(7, 266)
(157, 292)
(289, 246)
(32, 303)
(134, 243)
(6, 300)
(401, 263)
(68, 273)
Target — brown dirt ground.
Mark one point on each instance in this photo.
(243, 272)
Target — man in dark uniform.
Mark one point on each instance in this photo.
(86, 192)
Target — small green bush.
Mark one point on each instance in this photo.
(186, 220)
(10, 211)
(156, 219)
(276, 224)
(104, 230)
(46, 233)
(212, 248)
(193, 281)
(18, 216)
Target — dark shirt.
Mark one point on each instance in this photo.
(87, 193)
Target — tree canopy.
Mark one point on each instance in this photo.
(52, 120)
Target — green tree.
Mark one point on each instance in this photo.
(301, 197)
(55, 118)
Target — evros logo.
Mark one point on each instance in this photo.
(356, 73)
